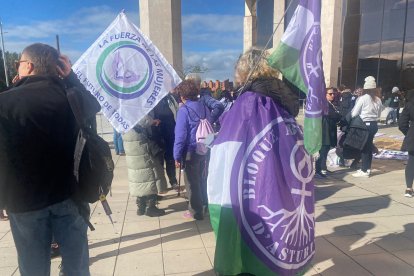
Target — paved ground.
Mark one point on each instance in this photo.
(364, 227)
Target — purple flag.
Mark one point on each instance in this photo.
(261, 193)
(299, 58)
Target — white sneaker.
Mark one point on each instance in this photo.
(360, 173)
(408, 193)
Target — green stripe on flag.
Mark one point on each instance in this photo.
(313, 134)
(286, 60)
(232, 255)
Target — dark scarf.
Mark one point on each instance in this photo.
(277, 90)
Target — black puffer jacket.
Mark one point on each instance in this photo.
(277, 90)
(356, 133)
(329, 130)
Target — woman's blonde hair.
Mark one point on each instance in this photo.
(250, 60)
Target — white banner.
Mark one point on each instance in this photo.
(126, 73)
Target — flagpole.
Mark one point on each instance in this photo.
(4, 54)
(264, 49)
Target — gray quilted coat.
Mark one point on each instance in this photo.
(145, 171)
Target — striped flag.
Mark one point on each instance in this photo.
(299, 58)
(260, 191)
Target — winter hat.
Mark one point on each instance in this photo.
(395, 89)
(370, 83)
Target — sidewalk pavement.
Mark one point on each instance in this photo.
(363, 227)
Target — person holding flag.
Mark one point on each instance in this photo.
(260, 179)
(129, 76)
(145, 170)
(260, 183)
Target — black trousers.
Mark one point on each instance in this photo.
(409, 170)
(323, 155)
(366, 154)
(193, 175)
(169, 159)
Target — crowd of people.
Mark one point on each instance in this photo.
(352, 122)
(37, 192)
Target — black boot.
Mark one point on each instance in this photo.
(152, 210)
(142, 204)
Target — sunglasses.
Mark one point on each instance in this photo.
(17, 63)
(330, 94)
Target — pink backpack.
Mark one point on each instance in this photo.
(204, 129)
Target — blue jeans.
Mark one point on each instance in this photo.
(32, 234)
(118, 143)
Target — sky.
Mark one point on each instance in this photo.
(212, 30)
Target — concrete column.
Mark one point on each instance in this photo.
(278, 12)
(331, 28)
(249, 25)
(160, 20)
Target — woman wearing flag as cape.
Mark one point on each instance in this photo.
(260, 179)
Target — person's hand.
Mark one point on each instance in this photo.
(16, 79)
(177, 164)
(156, 122)
(64, 67)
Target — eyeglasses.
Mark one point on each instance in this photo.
(330, 94)
(17, 63)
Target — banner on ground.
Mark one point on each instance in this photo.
(126, 73)
(299, 58)
(261, 192)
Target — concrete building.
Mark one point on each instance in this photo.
(160, 20)
(359, 38)
(222, 85)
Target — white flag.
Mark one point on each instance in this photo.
(126, 73)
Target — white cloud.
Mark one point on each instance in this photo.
(213, 41)
(210, 40)
(213, 30)
(220, 63)
(76, 31)
(85, 21)
(213, 22)
(391, 49)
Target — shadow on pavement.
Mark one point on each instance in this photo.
(354, 207)
(397, 247)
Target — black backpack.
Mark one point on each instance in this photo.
(93, 164)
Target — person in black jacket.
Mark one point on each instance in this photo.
(395, 104)
(346, 104)
(406, 125)
(166, 112)
(329, 133)
(37, 140)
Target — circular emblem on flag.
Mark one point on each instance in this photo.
(274, 197)
(312, 70)
(124, 70)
